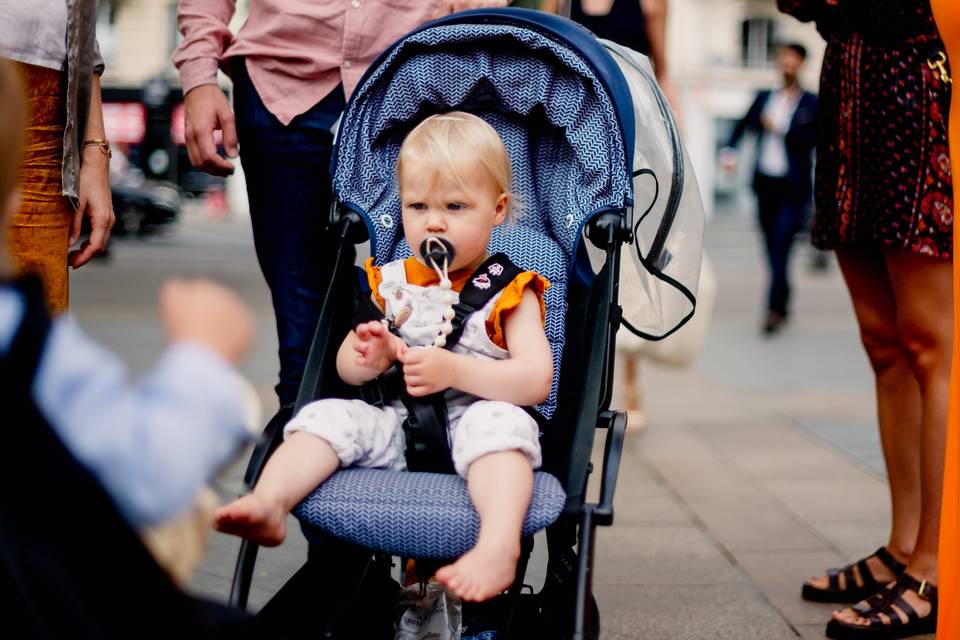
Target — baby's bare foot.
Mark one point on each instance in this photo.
(483, 572)
(253, 518)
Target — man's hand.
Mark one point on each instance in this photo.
(206, 110)
(204, 312)
(446, 7)
(376, 347)
(96, 203)
(428, 370)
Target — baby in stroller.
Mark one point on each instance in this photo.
(454, 176)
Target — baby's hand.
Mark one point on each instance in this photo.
(204, 312)
(427, 370)
(375, 346)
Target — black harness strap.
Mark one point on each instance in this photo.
(488, 280)
(425, 429)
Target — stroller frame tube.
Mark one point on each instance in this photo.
(601, 513)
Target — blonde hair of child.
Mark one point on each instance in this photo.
(449, 143)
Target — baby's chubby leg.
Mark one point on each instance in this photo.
(496, 446)
(500, 487)
(322, 437)
(296, 468)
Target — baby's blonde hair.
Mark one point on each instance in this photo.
(448, 143)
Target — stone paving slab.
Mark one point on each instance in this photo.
(689, 612)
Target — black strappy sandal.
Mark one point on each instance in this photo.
(851, 591)
(885, 601)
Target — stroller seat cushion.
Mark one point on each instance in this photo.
(415, 515)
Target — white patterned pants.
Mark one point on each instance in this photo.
(363, 435)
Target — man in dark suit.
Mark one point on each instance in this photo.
(784, 122)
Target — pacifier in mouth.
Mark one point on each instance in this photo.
(437, 250)
(438, 253)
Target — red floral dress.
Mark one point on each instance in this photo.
(883, 165)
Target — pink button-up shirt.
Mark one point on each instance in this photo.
(296, 51)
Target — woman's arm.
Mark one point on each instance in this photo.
(655, 17)
(94, 188)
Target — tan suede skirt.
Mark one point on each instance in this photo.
(41, 228)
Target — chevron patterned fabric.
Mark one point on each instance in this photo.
(416, 515)
(555, 117)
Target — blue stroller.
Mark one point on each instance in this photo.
(588, 133)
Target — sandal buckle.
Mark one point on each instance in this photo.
(924, 590)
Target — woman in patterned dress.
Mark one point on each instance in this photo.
(884, 204)
(947, 13)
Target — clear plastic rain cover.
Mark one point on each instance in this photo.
(660, 270)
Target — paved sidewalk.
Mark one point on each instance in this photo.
(760, 465)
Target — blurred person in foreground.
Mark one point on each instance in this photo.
(293, 65)
(884, 204)
(64, 175)
(91, 458)
(784, 122)
(947, 15)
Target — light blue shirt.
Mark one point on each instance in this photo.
(152, 443)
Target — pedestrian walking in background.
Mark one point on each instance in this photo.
(784, 122)
(884, 204)
(293, 66)
(947, 14)
(64, 176)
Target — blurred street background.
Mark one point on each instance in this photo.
(760, 465)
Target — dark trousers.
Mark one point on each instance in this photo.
(782, 214)
(287, 170)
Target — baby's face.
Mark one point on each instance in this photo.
(434, 205)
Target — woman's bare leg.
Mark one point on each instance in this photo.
(924, 293)
(501, 485)
(295, 469)
(898, 400)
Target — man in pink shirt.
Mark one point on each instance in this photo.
(293, 63)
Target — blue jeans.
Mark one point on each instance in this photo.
(287, 170)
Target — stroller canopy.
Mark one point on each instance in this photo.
(554, 111)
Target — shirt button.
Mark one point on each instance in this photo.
(347, 64)
(355, 4)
